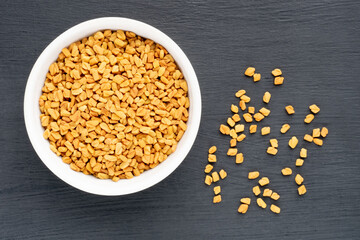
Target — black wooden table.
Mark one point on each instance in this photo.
(315, 43)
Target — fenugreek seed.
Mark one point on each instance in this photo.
(264, 181)
(230, 122)
(224, 129)
(212, 149)
(274, 142)
(308, 138)
(299, 179)
(234, 108)
(278, 81)
(239, 158)
(232, 151)
(286, 171)
(318, 141)
(264, 111)
(275, 196)
(208, 168)
(309, 118)
(253, 128)
(324, 132)
(314, 108)
(316, 132)
(302, 190)
(236, 117)
(241, 137)
(250, 71)
(299, 162)
(256, 191)
(217, 199)
(243, 208)
(223, 174)
(215, 176)
(245, 98)
(253, 175)
(208, 180)
(256, 77)
(245, 201)
(258, 117)
(265, 131)
(266, 97)
(212, 158)
(275, 209)
(233, 134)
(276, 72)
(251, 110)
(240, 93)
(261, 203)
(239, 128)
(272, 151)
(217, 190)
(285, 128)
(290, 109)
(242, 105)
(303, 153)
(293, 142)
(233, 142)
(267, 192)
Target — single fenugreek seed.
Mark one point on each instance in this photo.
(231, 122)
(275, 209)
(256, 190)
(247, 117)
(245, 98)
(278, 81)
(215, 176)
(239, 128)
(252, 128)
(243, 208)
(236, 117)
(302, 190)
(208, 180)
(245, 201)
(208, 168)
(316, 132)
(314, 108)
(276, 72)
(223, 174)
(286, 171)
(256, 77)
(217, 199)
(272, 151)
(274, 142)
(309, 118)
(324, 132)
(253, 175)
(212, 149)
(241, 137)
(303, 153)
(264, 181)
(293, 142)
(239, 158)
(242, 105)
(212, 158)
(233, 142)
(308, 138)
(266, 97)
(260, 202)
(318, 141)
(250, 71)
(224, 129)
(299, 179)
(264, 111)
(275, 196)
(232, 151)
(290, 109)
(217, 190)
(267, 192)
(265, 131)
(285, 128)
(251, 110)
(233, 133)
(299, 162)
(240, 93)
(258, 117)
(234, 108)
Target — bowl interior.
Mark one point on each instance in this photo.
(32, 112)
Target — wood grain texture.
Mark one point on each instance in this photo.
(315, 43)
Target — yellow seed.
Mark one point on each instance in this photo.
(233, 133)
(314, 108)
(208, 180)
(251, 110)
(258, 117)
(303, 153)
(293, 142)
(239, 158)
(230, 122)
(266, 97)
(290, 109)
(265, 131)
(286, 171)
(253, 175)
(242, 105)
(272, 151)
(267, 192)
(275, 196)
(308, 138)
(217, 199)
(299, 162)
(276, 72)
(274, 142)
(217, 190)
(212, 158)
(212, 149)
(253, 128)
(316, 132)
(245, 98)
(224, 129)
(299, 179)
(245, 201)
(239, 128)
(278, 80)
(215, 176)
(309, 118)
(208, 168)
(275, 209)
(324, 132)
(257, 77)
(240, 93)
(250, 71)
(264, 181)
(243, 208)
(285, 128)
(234, 108)
(241, 137)
(302, 190)
(264, 111)
(223, 174)
(232, 151)
(256, 191)
(233, 142)
(236, 118)
(261, 203)
(247, 117)
(318, 141)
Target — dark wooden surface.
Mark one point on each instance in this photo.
(315, 43)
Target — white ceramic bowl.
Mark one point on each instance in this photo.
(32, 112)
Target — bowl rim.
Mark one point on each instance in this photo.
(88, 183)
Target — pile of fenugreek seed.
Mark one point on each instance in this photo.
(236, 132)
(114, 105)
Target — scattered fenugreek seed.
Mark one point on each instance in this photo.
(272, 151)
(302, 190)
(256, 190)
(314, 108)
(217, 199)
(239, 158)
(275, 196)
(212, 149)
(260, 202)
(234, 108)
(217, 190)
(264, 111)
(264, 181)
(240, 93)
(208, 168)
(276, 72)
(285, 171)
(278, 81)
(245, 201)
(318, 141)
(303, 153)
(293, 142)
(299, 179)
(309, 118)
(308, 138)
(265, 131)
(253, 175)
(324, 132)
(256, 77)
(223, 174)
(247, 117)
(250, 71)
(208, 180)
(275, 209)
(267, 192)
(285, 128)
(274, 142)
(299, 162)
(252, 128)
(316, 132)
(290, 109)
(215, 176)
(212, 158)
(232, 151)
(243, 208)
(266, 97)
